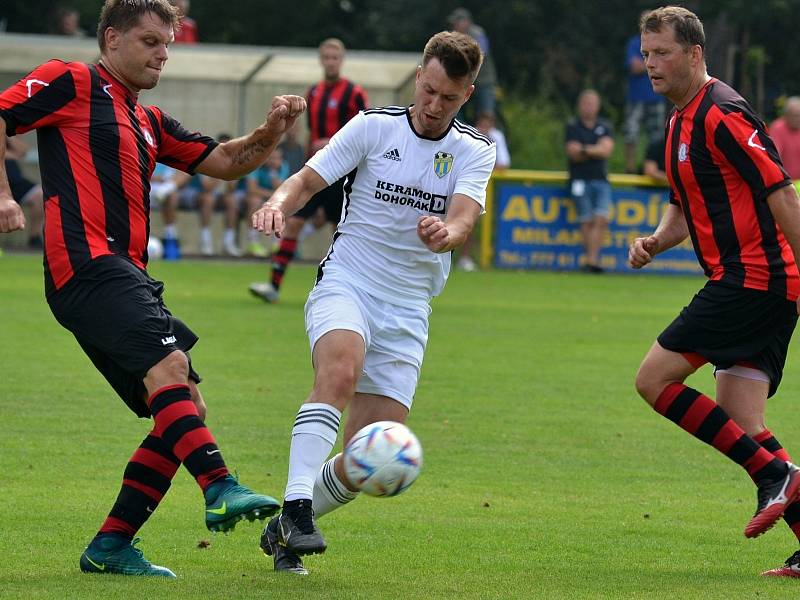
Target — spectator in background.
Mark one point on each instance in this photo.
(25, 192)
(483, 99)
(210, 190)
(485, 124)
(785, 132)
(332, 102)
(205, 193)
(654, 162)
(260, 185)
(165, 184)
(644, 109)
(186, 32)
(68, 22)
(228, 193)
(589, 143)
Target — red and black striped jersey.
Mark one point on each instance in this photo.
(331, 106)
(722, 165)
(97, 151)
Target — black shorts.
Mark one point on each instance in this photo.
(20, 186)
(730, 325)
(330, 199)
(116, 314)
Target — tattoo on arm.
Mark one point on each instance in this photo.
(249, 151)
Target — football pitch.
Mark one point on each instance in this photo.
(545, 475)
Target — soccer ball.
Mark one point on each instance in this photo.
(383, 458)
(155, 249)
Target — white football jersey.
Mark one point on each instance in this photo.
(396, 177)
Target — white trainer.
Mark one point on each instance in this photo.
(265, 290)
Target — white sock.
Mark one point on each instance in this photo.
(205, 235)
(228, 238)
(254, 236)
(313, 437)
(329, 492)
(171, 231)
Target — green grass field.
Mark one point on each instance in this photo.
(545, 476)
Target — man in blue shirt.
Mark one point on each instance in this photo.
(644, 109)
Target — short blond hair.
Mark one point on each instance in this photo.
(332, 43)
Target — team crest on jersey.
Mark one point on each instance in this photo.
(147, 137)
(442, 164)
(683, 152)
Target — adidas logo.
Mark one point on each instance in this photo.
(393, 155)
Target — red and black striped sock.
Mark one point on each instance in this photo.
(183, 431)
(147, 478)
(281, 260)
(771, 444)
(705, 420)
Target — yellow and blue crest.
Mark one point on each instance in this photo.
(442, 164)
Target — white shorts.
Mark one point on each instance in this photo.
(394, 335)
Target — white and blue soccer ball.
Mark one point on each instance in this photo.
(383, 459)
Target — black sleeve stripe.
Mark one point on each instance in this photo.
(472, 132)
(394, 111)
(209, 149)
(47, 101)
(770, 243)
(175, 130)
(744, 165)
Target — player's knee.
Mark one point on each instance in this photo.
(338, 379)
(648, 387)
(173, 368)
(199, 403)
(202, 409)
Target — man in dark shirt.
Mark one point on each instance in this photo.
(97, 150)
(589, 143)
(654, 165)
(731, 195)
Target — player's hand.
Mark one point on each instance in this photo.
(433, 233)
(268, 220)
(642, 251)
(11, 215)
(284, 112)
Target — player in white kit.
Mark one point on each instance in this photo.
(416, 186)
